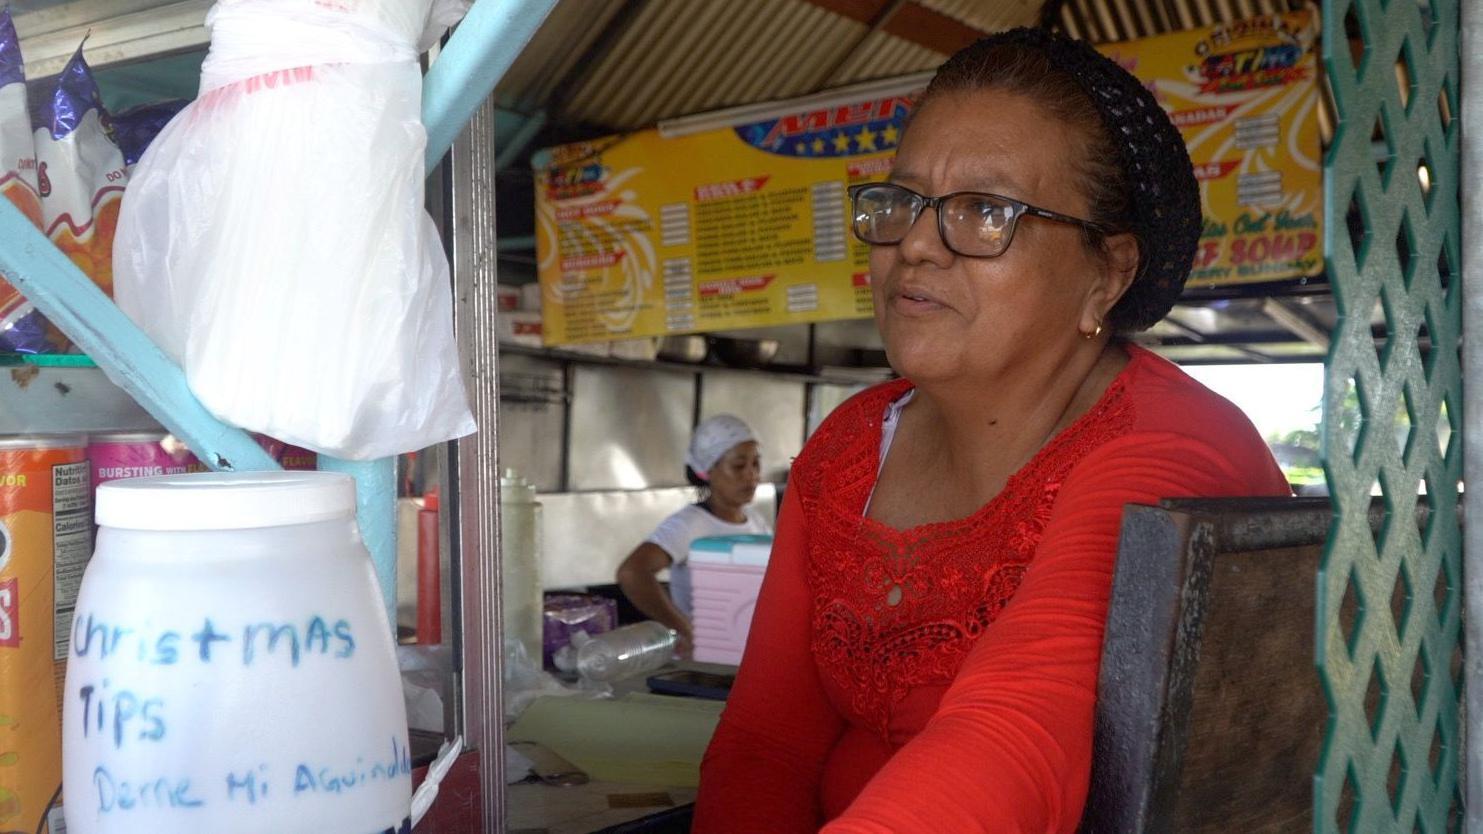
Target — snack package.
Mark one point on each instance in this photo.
(79, 171)
(113, 456)
(136, 127)
(274, 241)
(566, 614)
(22, 329)
(46, 538)
(291, 458)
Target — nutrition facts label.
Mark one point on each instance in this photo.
(72, 543)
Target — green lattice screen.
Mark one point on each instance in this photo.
(1390, 602)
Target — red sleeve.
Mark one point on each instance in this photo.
(1009, 749)
(763, 767)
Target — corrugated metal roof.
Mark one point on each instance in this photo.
(627, 64)
(782, 54)
(673, 59)
(1101, 21)
(569, 31)
(650, 60)
(989, 17)
(885, 56)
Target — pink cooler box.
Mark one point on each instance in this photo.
(725, 577)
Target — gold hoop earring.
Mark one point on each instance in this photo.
(1092, 335)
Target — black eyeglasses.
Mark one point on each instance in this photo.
(970, 223)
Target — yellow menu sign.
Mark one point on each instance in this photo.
(745, 223)
(740, 225)
(1245, 96)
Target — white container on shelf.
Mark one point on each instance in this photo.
(641, 349)
(231, 668)
(519, 327)
(530, 296)
(507, 297)
(520, 552)
(725, 579)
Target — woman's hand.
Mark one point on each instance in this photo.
(685, 646)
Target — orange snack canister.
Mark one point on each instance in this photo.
(46, 537)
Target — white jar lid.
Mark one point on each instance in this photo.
(225, 500)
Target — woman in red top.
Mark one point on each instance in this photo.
(925, 650)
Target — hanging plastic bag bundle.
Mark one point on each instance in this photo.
(273, 239)
(21, 327)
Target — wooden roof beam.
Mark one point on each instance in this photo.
(911, 21)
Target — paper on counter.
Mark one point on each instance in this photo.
(639, 739)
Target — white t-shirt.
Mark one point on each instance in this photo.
(691, 522)
(888, 435)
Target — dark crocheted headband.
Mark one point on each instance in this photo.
(1165, 196)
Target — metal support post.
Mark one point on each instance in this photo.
(475, 468)
(1470, 52)
(520, 141)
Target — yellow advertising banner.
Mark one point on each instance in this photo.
(743, 222)
(1245, 96)
(739, 225)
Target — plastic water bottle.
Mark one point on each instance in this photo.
(626, 652)
(520, 548)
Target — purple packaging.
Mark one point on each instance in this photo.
(138, 126)
(22, 329)
(80, 172)
(118, 455)
(567, 614)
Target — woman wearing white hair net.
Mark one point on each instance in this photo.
(724, 462)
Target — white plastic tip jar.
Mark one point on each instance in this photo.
(230, 667)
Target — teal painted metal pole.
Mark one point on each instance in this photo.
(74, 303)
(375, 499)
(476, 56)
(520, 141)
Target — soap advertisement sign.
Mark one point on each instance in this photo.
(1245, 96)
(745, 224)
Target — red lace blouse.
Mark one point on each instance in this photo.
(942, 678)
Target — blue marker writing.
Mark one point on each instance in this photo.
(125, 795)
(206, 636)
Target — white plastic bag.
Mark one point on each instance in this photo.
(273, 239)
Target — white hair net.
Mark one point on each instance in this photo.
(713, 438)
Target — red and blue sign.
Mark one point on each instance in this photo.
(865, 127)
